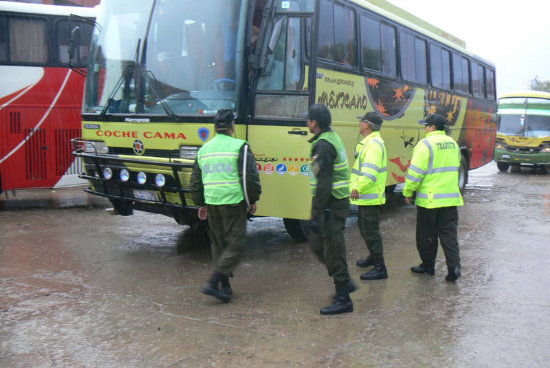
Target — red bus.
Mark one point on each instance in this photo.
(41, 90)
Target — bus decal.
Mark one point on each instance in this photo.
(390, 99)
(37, 126)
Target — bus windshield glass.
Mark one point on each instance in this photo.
(529, 117)
(177, 57)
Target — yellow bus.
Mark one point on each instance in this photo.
(523, 136)
(159, 71)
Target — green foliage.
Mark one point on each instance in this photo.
(540, 85)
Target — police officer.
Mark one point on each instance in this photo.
(368, 192)
(329, 182)
(222, 168)
(433, 174)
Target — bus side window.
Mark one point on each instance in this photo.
(3, 39)
(281, 58)
(27, 38)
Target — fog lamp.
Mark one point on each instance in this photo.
(124, 175)
(107, 173)
(141, 177)
(160, 180)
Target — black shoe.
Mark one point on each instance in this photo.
(211, 287)
(342, 304)
(423, 269)
(350, 286)
(369, 261)
(379, 272)
(454, 274)
(226, 286)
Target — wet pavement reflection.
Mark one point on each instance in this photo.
(81, 287)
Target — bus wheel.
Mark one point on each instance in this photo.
(296, 229)
(123, 208)
(463, 173)
(503, 166)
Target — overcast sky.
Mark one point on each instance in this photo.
(515, 36)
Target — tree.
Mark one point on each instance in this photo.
(540, 85)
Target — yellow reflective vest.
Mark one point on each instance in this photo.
(433, 172)
(341, 172)
(218, 161)
(369, 172)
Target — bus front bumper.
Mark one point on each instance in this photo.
(537, 158)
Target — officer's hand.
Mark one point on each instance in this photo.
(203, 213)
(408, 200)
(253, 208)
(354, 194)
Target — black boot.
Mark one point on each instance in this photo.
(369, 261)
(378, 272)
(350, 286)
(226, 286)
(454, 273)
(423, 269)
(342, 304)
(211, 287)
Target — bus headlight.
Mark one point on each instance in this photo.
(124, 175)
(189, 152)
(96, 147)
(545, 147)
(160, 180)
(141, 177)
(499, 146)
(107, 173)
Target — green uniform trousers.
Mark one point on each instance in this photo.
(369, 227)
(326, 234)
(227, 225)
(434, 223)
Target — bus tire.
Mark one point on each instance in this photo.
(463, 173)
(123, 208)
(296, 229)
(503, 166)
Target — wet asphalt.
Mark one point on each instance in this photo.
(81, 287)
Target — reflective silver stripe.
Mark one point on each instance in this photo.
(219, 154)
(374, 167)
(222, 183)
(431, 162)
(340, 184)
(418, 170)
(421, 195)
(444, 169)
(356, 172)
(446, 195)
(414, 178)
(369, 196)
(383, 148)
(341, 166)
(370, 176)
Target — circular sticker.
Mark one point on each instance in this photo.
(269, 169)
(293, 169)
(304, 170)
(281, 169)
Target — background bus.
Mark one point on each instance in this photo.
(159, 71)
(523, 136)
(40, 95)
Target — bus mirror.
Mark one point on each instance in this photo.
(73, 42)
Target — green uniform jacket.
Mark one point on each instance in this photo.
(433, 172)
(369, 172)
(253, 184)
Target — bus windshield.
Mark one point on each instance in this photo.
(529, 117)
(165, 57)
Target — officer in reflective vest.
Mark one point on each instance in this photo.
(368, 192)
(226, 185)
(433, 175)
(329, 183)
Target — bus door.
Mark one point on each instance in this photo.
(277, 131)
